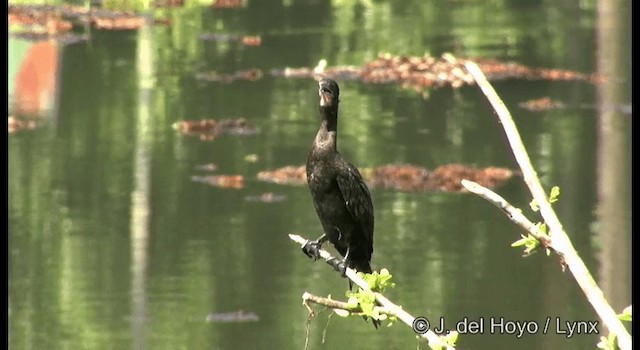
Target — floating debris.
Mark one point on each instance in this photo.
(27, 22)
(239, 126)
(417, 73)
(169, 3)
(17, 124)
(411, 178)
(289, 72)
(541, 104)
(219, 37)
(408, 178)
(162, 22)
(210, 129)
(65, 39)
(118, 21)
(249, 75)
(288, 175)
(222, 4)
(222, 181)
(46, 16)
(447, 177)
(251, 158)
(497, 70)
(56, 20)
(247, 40)
(422, 73)
(232, 317)
(207, 167)
(268, 197)
(341, 72)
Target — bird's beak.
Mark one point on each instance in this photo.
(326, 96)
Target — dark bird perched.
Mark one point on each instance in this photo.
(340, 195)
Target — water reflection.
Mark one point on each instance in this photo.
(34, 86)
(614, 154)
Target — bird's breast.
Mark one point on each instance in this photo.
(320, 177)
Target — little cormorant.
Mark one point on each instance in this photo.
(340, 195)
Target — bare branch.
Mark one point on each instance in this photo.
(388, 307)
(512, 212)
(559, 238)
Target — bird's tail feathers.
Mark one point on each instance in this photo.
(361, 266)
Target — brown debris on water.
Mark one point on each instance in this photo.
(226, 4)
(417, 73)
(406, 177)
(210, 129)
(541, 104)
(248, 75)
(247, 40)
(497, 70)
(421, 73)
(37, 22)
(222, 181)
(17, 124)
(239, 126)
(121, 21)
(251, 40)
(56, 20)
(447, 177)
(168, 3)
(288, 175)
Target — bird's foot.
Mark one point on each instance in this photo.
(340, 265)
(312, 249)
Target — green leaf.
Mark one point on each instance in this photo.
(608, 343)
(554, 195)
(522, 241)
(377, 315)
(529, 241)
(451, 338)
(378, 281)
(626, 314)
(534, 205)
(542, 228)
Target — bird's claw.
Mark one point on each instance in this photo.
(312, 249)
(340, 265)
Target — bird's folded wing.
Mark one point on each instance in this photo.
(357, 198)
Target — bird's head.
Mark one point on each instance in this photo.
(328, 91)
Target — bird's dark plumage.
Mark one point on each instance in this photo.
(340, 195)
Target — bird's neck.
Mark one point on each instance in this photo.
(326, 138)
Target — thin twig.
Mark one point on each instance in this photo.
(389, 307)
(336, 304)
(510, 211)
(560, 239)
